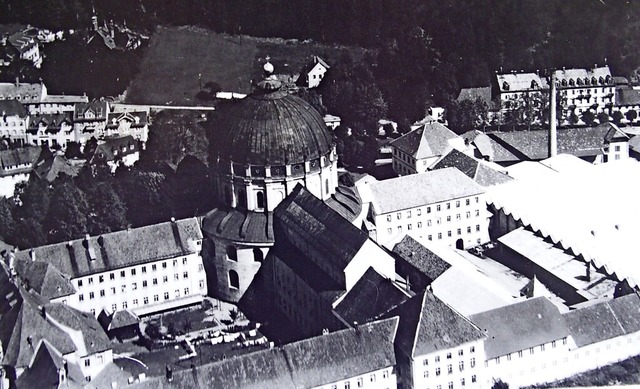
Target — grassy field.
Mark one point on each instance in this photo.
(177, 55)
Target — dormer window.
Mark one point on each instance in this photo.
(594, 81)
(579, 81)
(586, 81)
(608, 79)
(505, 85)
(564, 82)
(601, 80)
(571, 82)
(534, 84)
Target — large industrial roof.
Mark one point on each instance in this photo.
(583, 207)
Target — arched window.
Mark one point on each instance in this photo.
(234, 281)
(232, 253)
(260, 199)
(258, 256)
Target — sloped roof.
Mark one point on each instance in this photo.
(119, 249)
(318, 225)
(472, 167)
(427, 262)
(372, 296)
(634, 143)
(239, 225)
(520, 326)
(12, 108)
(43, 372)
(49, 169)
(136, 118)
(428, 325)
(94, 338)
(342, 354)
(516, 82)
(422, 189)
(97, 107)
(11, 159)
(114, 148)
(44, 278)
(27, 92)
(346, 201)
(51, 121)
(117, 319)
(482, 93)
(308, 363)
(575, 74)
(429, 140)
(495, 150)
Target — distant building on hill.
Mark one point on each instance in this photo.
(15, 166)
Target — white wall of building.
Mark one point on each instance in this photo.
(379, 379)
(458, 367)
(369, 255)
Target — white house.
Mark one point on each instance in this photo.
(13, 121)
(52, 130)
(15, 167)
(316, 71)
(417, 150)
(146, 269)
(441, 205)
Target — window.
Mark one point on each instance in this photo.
(564, 340)
(389, 230)
(448, 355)
(184, 261)
(144, 269)
(420, 224)
(409, 227)
(372, 377)
(437, 371)
(234, 282)
(102, 293)
(477, 227)
(459, 231)
(87, 362)
(166, 295)
(616, 148)
(462, 383)
(164, 265)
(360, 382)
(186, 291)
(175, 261)
(232, 253)
(428, 209)
(90, 280)
(408, 214)
(155, 281)
(542, 347)
(437, 358)
(399, 228)
(145, 301)
(430, 237)
(472, 362)
(399, 215)
(79, 283)
(388, 218)
(176, 276)
(468, 230)
(553, 344)
(457, 203)
(449, 369)
(438, 221)
(156, 298)
(477, 212)
(425, 374)
(450, 385)
(91, 295)
(473, 378)
(530, 350)
(122, 274)
(520, 354)
(460, 352)
(347, 385)
(201, 284)
(101, 278)
(260, 199)
(438, 207)
(124, 305)
(468, 214)
(449, 233)
(154, 267)
(385, 374)
(419, 211)
(439, 235)
(472, 349)
(185, 274)
(448, 205)
(449, 218)
(425, 362)
(112, 276)
(81, 297)
(165, 279)
(477, 199)
(468, 201)
(144, 283)
(135, 302)
(258, 255)
(133, 272)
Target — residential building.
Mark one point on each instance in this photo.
(25, 93)
(441, 205)
(417, 150)
(90, 120)
(27, 47)
(52, 104)
(317, 257)
(436, 347)
(135, 124)
(314, 72)
(526, 343)
(332, 121)
(146, 269)
(579, 89)
(13, 122)
(51, 130)
(361, 357)
(114, 152)
(15, 167)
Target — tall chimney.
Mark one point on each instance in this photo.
(553, 133)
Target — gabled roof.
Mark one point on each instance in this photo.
(31, 93)
(97, 107)
(417, 190)
(429, 140)
(44, 279)
(94, 339)
(308, 363)
(119, 249)
(482, 93)
(49, 169)
(520, 326)
(136, 118)
(428, 325)
(43, 371)
(516, 82)
(634, 143)
(117, 319)
(11, 159)
(12, 108)
(371, 297)
(342, 354)
(426, 261)
(51, 121)
(473, 168)
(607, 320)
(114, 148)
(316, 224)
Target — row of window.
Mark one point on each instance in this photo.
(439, 219)
(360, 382)
(134, 286)
(463, 382)
(532, 350)
(472, 363)
(430, 236)
(143, 270)
(438, 208)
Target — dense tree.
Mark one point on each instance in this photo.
(68, 219)
(631, 115)
(189, 189)
(588, 117)
(6, 219)
(107, 212)
(467, 115)
(142, 192)
(603, 117)
(173, 135)
(617, 117)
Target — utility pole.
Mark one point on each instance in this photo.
(553, 132)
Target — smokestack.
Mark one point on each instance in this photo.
(553, 133)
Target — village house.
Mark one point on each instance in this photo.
(442, 205)
(27, 47)
(314, 72)
(51, 130)
(146, 269)
(13, 122)
(115, 152)
(15, 167)
(130, 123)
(90, 120)
(25, 93)
(417, 150)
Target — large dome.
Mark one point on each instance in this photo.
(271, 127)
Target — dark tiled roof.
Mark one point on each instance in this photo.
(308, 363)
(12, 108)
(115, 118)
(461, 161)
(11, 159)
(496, 151)
(603, 321)
(533, 145)
(486, 176)
(119, 249)
(117, 319)
(312, 221)
(519, 326)
(271, 129)
(51, 121)
(98, 108)
(427, 324)
(43, 372)
(239, 225)
(31, 93)
(412, 252)
(44, 278)
(627, 96)
(430, 140)
(115, 148)
(371, 297)
(482, 93)
(95, 339)
(346, 202)
(51, 168)
(634, 143)
(342, 354)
